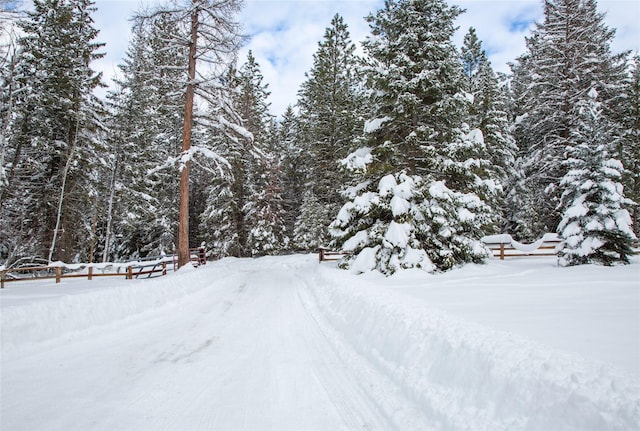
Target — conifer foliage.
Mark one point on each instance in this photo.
(413, 208)
(595, 225)
(404, 155)
(568, 54)
(51, 150)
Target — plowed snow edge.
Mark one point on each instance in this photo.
(467, 376)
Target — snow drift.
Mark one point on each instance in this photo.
(469, 376)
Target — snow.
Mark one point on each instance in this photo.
(371, 126)
(282, 343)
(358, 160)
(398, 234)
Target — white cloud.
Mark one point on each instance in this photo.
(285, 33)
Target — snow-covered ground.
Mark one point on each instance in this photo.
(283, 343)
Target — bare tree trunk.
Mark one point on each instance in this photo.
(183, 225)
(112, 192)
(65, 173)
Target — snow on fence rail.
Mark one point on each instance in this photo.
(130, 270)
(504, 246)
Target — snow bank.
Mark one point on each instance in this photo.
(470, 376)
(62, 315)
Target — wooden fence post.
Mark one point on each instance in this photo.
(501, 251)
(2, 273)
(58, 274)
(90, 273)
(164, 268)
(129, 272)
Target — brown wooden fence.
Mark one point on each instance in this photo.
(157, 267)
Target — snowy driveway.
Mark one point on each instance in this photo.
(244, 353)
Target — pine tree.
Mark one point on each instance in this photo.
(567, 52)
(488, 112)
(268, 234)
(630, 142)
(53, 140)
(147, 119)
(329, 117)
(295, 167)
(418, 140)
(244, 124)
(310, 230)
(595, 224)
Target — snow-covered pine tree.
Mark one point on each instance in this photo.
(595, 224)
(244, 125)
(310, 229)
(268, 233)
(488, 112)
(54, 132)
(417, 140)
(295, 170)
(567, 53)
(147, 122)
(329, 117)
(630, 142)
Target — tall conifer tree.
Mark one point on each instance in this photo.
(567, 53)
(54, 134)
(329, 108)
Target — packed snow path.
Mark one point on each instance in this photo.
(283, 344)
(244, 354)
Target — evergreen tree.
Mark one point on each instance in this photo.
(418, 139)
(413, 77)
(295, 169)
(310, 229)
(630, 142)
(488, 112)
(246, 135)
(53, 142)
(329, 115)
(567, 52)
(268, 234)
(147, 119)
(595, 225)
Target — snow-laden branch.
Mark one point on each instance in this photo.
(187, 156)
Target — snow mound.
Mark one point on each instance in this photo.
(467, 375)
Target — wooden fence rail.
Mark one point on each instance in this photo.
(57, 273)
(503, 246)
(133, 270)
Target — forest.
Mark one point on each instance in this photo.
(404, 156)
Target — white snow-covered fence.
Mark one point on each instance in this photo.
(504, 245)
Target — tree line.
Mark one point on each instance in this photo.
(406, 155)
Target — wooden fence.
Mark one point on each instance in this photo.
(327, 255)
(155, 266)
(503, 246)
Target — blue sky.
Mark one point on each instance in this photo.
(285, 33)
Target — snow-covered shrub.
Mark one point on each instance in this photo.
(403, 223)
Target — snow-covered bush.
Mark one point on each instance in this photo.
(402, 223)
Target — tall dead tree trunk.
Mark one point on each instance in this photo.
(183, 224)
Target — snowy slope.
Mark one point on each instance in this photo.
(285, 343)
